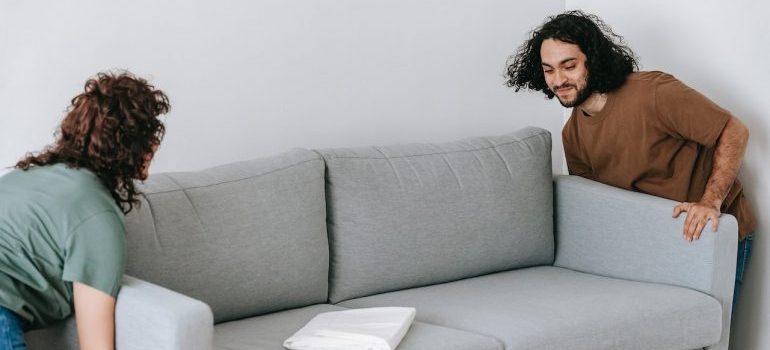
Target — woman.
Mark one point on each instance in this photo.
(62, 234)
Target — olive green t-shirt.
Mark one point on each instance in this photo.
(58, 225)
(654, 135)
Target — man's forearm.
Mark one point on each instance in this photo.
(727, 160)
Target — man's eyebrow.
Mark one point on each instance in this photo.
(560, 63)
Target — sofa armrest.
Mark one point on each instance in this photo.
(612, 232)
(148, 316)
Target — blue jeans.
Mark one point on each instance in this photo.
(11, 333)
(744, 255)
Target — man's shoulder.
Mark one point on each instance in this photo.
(643, 85)
(650, 77)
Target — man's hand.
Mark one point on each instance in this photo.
(698, 215)
(728, 154)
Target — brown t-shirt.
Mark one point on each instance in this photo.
(654, 135)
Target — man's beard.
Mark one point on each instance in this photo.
(582, 95)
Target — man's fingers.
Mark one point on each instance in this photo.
(678, 209)
(695, 223)
(698, 229)
(694, 227)
(688, 221)
(696, 220)
(689, 226)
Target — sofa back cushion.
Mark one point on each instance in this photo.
(246, 238)
(413, 215)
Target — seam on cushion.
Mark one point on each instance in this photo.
(481, 164)
(416, 174)
(498, 341)
(507, 167)
(452, 170)
(390, 164)
(189, 200)
(318, 153)
(236, 180)
(154, 223)
(449, 152)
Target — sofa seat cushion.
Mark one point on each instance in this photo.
(268, 332)
(554, 308)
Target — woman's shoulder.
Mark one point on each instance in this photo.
(60, 190)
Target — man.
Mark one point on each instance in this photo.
(62, 234)
(642, 131)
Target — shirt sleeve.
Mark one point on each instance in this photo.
(94, 253)
(686, 114)
(575, 164)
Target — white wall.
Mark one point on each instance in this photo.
(721, 49)
(255, 78)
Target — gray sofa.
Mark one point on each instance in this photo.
(477, 235)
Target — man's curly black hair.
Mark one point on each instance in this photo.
(608, 62)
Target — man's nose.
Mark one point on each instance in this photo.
(559, 78)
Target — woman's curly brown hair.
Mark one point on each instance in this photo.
(608, 60)
(109, 129)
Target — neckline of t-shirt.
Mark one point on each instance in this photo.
(79, 170)
(598, 117)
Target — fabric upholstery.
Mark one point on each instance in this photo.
(448, 221)
(246, 238)
(148, 316)
(413, 215)
(612, 232)
(554, 308)
(268, 333)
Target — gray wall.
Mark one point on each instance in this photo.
(254, 78)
